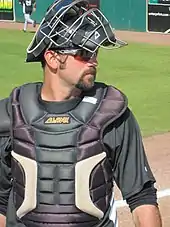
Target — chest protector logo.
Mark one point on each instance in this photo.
(58, 120)
(60, 165)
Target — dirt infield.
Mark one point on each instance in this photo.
(157, 147)
(143, 37)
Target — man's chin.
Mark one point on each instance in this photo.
(85, 86)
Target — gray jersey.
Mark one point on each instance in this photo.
(122, 138)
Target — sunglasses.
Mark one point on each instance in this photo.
(79, 54)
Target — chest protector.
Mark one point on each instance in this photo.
(61, 169)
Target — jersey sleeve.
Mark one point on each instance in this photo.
(131, 170)
(5, 173)
(5, 146)
(4, 117)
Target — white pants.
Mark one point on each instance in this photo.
(27, 20)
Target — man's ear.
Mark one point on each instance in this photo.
(52, 59)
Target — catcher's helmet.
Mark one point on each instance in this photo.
(70, 24)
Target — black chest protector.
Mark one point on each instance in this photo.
(60, 166)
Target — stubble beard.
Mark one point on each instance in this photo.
(82, 84)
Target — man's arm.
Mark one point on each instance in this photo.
(5, 178)
(144, 207)
(2, 220)
(5, 169)
(132, 172)
(147, 216)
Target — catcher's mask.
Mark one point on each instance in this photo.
(69, 25)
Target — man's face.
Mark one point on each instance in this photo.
(80, 71)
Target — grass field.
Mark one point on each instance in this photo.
(141, 71)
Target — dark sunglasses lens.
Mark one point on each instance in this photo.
(85, 55)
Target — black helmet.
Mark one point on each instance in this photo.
(72, 24)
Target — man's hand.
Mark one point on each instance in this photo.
(34, 7)
(147, 216)
(2, 220)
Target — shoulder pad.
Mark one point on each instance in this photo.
(26, 97)
(4, 117)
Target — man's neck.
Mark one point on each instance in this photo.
(58, 94)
